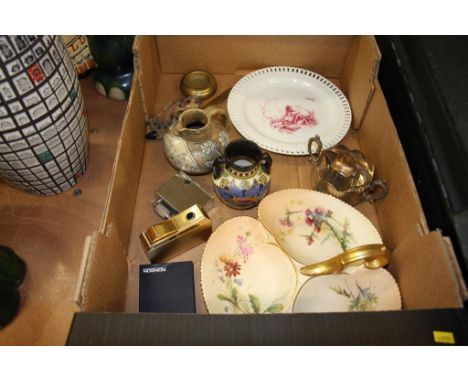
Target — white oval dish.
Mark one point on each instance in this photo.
(280, 108)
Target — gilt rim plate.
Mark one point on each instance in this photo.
(281, 107)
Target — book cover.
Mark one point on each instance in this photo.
(167, 288)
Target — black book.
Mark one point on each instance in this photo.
(167, 288)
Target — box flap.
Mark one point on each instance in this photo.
(118, 212)
(437, 285)
(104, 270)
(102, 284)
(456, 269)
(78, 295)
(147, 68)
(360, 75)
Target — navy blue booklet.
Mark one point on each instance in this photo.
(167, 288)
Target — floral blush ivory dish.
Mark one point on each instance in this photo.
(360, 290)
(243, 272)
(312, 226)
(280, 108)
(252, 266)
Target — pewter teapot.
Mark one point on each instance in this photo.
(345, 173)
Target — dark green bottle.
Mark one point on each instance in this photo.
(12, 268)
(12, 272)
(9, 303)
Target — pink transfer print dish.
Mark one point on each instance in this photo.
(280, 108)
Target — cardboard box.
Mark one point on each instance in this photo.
(422, 261)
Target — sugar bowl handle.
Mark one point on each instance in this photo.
(378, 189)
(314, 153)
(218, 167)
(266, 162)
(214, 112)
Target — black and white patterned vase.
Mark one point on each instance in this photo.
(44, 140)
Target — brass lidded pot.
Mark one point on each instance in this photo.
(199, 84)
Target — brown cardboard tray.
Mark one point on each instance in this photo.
(422, 261)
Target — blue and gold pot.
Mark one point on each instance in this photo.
(241, 177)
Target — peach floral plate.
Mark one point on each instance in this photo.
(312, 226)
(242, 271)
(360, 290)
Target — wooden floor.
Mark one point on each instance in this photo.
(48, 232)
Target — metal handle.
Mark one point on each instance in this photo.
(373, 255)
(217, 111)
(218, 166)
(364, 178)
(266, 162)
(378, 189)
(314, 155)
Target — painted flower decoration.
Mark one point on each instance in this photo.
(364, 301)
(316, 217)
(310, 239)
(324, 226)
(232, 269)
(286, 221)
(236, 300)
(244, 249)
(227, 259)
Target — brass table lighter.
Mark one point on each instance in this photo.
(176, 235)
